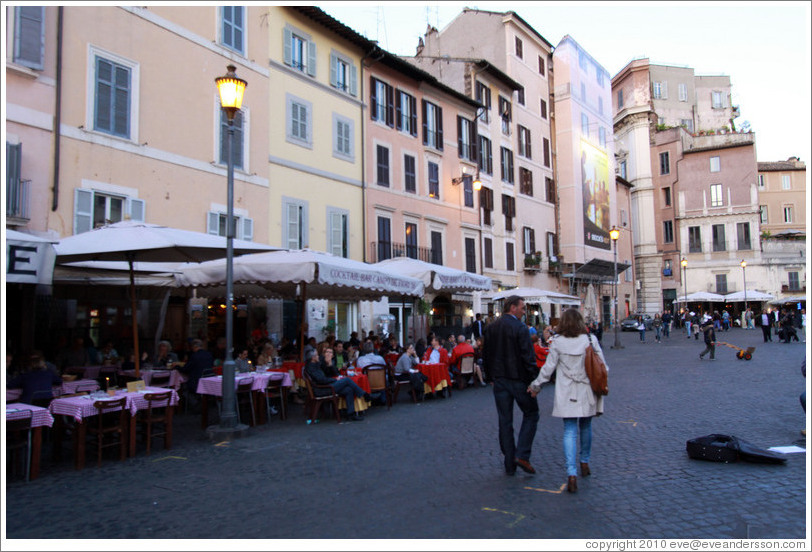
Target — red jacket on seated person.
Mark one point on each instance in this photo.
(435, 346)
(463, 348)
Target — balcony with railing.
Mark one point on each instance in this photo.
(17, 201)
(380, 251)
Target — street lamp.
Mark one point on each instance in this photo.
(684, 263)
(231, 89)
(614, 233)
(744, 279)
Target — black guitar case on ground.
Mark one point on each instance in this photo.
(727, 448)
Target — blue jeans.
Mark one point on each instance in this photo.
(642, 335)
(349, 390)
(571, 430)
(505, 392)
(657, 333)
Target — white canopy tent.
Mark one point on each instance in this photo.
(536, 295)
(701, 297)
(749, 295)
(438, 277)
(29, 258)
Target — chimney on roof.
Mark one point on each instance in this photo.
(420, 45)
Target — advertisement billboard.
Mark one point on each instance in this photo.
(595, 185)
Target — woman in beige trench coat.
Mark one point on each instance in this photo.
(574, 400)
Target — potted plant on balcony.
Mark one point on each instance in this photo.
(533, 260)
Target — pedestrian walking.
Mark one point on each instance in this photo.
(667, 320)
(687, 320)
(574, 400)
(709, 329)
(641, 327)
(510, 361)
(657, 324)
(766, 328)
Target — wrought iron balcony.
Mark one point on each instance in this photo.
(380, 251)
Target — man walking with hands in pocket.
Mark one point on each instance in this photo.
(510, 361)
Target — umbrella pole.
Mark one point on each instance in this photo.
(130, 258)
(302, 313)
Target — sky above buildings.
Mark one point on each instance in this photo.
(763, 46)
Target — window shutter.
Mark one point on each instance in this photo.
(237, 149)
(398, 110)
(288, 38)
(14, 153)
(459, 136)
(213, 223)
(664, 90)
(413, 112)
(333, 71)
(137, 209)
(390, 106)
(29, 36)
(82, 211)
(353, 80)
(311, 58)
(336, 228)
(474, 145)
(532, 240)
(425, 122)
(293, 226)
(439, 111)
(247, 229)
(373, 98)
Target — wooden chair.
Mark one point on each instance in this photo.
(160, 380)
(313, 402)
(158, 411)
(376, 373)
(110, 421)
(466, 369)
(15, 442)
(398, 384)
(86, 387)
(274, 390)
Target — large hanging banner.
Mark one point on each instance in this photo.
(595, 184)
(29, 259)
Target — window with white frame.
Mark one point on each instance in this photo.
(743, 235)
(715, 164)
(113, 89)
(238, 145)
(788, 214)
(299, 127)
(29, 36)
(338, 232)
(660, 90)
(683, 92)
(718, 237)
(217, 224)
(665, 163)
(623, 174)
(232, 28)
(485, 155)
(694, 239)
(528, 240)
(668, 231)
(299, 50)
(466, 146)
(93, 208)
(434, 180)
(406, 113)
(762, 214)
(432, 125)
(785, 182)
(483, 96)
(524, 142)
(382, 102)
(688, 124)
(295, 223)
(343, 138)
(506, 113)
(716, 100)
(507, 165)
(716, 195)
(343, 73)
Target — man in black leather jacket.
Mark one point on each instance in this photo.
(342, 386)
(509, 361)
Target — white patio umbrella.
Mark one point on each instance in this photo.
(701, 296)
(132, 241)
(590, 303)
(750, 295)
(441, 278)
(536, 295)
(313, 274)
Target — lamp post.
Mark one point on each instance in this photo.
(614, 233)
(231, 89)
(744, 280)
(684, 263)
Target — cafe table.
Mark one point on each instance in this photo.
(39, 417)
(437, 374)
(363, 382)
(213, 386)
(146, 374)
(81, 408)
(66, 388)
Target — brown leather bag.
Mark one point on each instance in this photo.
(596, 371)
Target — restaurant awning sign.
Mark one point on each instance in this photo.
(29, 259)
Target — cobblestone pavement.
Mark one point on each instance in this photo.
(434, 470)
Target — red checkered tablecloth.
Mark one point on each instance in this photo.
(39, 417)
